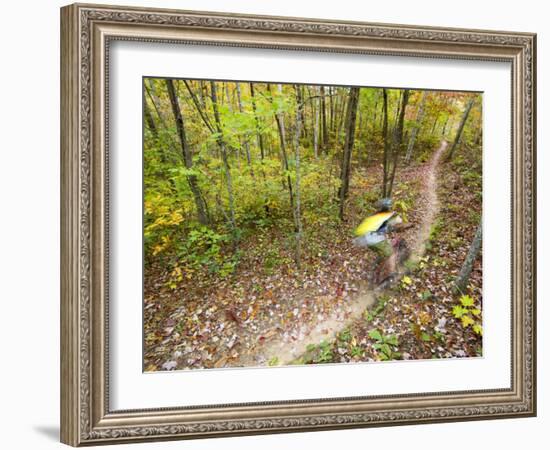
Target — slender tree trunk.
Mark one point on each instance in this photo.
(434, 125)
(351, 117)
(324, 119)
(444, 129)
(279, 118)
(174, 146)
(386, 142)
(398, 138)
(187, 155)
(332, 107)
(246, 144)
(297, 211)
(416, 129)
(461, 128)
(477, 139)
(150, 121)
(223, 149)
(202, 97)
(359, 128)
(258, 128)
(397, 110)
(316, 113)
(375, 110)
(340, 118)
(461, 281)
(155, 101)
(199, 107)
(304, 131)
(260, 141)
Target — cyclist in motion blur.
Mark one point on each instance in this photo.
(377, 232)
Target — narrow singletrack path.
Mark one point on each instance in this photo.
(286, 349)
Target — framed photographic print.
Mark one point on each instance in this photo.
(276, 224)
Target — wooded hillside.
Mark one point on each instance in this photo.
(252, 192)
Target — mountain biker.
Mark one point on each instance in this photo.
(374, 233)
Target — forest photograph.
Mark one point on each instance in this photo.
(294, 224)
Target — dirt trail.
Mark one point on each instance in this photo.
(432, 204)
(287, 348)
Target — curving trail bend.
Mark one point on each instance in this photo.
(287, 350)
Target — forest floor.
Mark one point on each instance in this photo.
(269, 313)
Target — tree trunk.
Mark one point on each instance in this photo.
(155, 101)
(478, 136)
(297, 211)
(279, 118)
(397, 110)
(461, 280)
(324, 144)
(434, 125)
(187, 155)
(460, 128)
(332, 97)
(198, 106)
(150, 121)
(202, 97)
(246, 144)
(351, 117)
(375, 110)
(398, 138)
(340, 118)
(386, 142)
(225, 160)
(416, 129)
(257, 121)
(444, 129)
(316, 113)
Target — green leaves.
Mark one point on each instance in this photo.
(273, 362)
(466, 301)
(459, 311)
(386, 345)
(345, 336)
(316, 354)
(426, 337)
(376, 335)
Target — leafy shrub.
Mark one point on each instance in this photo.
(386, 345)
(468, 314)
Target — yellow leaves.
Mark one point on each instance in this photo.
(165, 243)
(176, 217)
(466, 301)
(467, 321)
(176, 276)
(424, 318)
(468, 314)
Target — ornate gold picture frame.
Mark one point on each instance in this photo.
(87, 31)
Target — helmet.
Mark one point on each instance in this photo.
(384, 204)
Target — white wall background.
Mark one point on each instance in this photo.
(29, 224)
